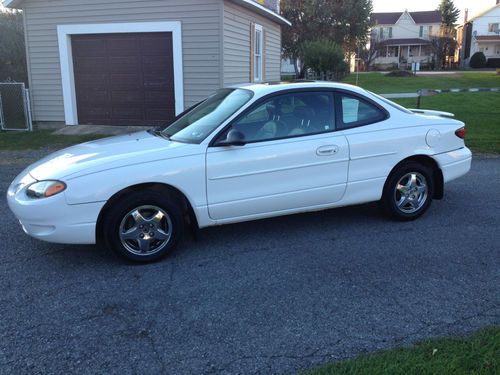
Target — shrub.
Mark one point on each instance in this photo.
(493, 63)
(399, 73)
(324, 56)
(478, 60)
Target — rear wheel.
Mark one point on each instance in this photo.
(143, 226)
(408, 191)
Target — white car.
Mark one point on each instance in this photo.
(244, 153)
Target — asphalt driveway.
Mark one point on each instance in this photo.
(271, 296)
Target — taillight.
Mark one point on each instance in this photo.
(460, 133)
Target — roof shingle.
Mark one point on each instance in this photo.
(390, 18)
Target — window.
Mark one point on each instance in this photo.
(430, 30)
(289, 115)
(421, 32)
(356, 111)
(390, 32)
(381, 33)
(196, 124)
(493, 28)
(257, 53)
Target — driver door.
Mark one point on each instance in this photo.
(293, 159)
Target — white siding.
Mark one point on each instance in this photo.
(236, 50)
(201, 30)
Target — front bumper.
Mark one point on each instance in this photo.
(53, 219)
(454, 164)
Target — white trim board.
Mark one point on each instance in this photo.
(64, 33)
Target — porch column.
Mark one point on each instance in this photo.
(408, 59)
(387, 51)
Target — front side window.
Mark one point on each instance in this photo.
(390, 32)
(288, 115)
(258, 47)
(356, 112)
(421, 32)
(195, 125)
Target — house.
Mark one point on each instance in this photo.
(480, 34)
(402, 38)
(127, 62)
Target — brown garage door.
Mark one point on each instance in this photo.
(124, 79)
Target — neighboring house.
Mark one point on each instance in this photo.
(401, 38)
(142, 62)
(480, 34)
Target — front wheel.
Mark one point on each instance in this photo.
(144, 226)
(408, 191)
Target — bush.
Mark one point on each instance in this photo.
(493, 63)
(478, 60)
(324, 56)
(399, 73)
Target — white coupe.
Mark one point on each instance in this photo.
(244, 153)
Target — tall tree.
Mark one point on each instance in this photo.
(449, 13)
(445, 43)
(346, 22)
(12, 51)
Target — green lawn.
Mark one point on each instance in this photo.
(480, 111)
(41, 138)
(478, 354)
(381, 84)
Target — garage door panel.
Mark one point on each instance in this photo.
(124, 79)
(126, 64)
(123, 46)
(131, 97)
(158, 114)
(88, 64)
(85, 47)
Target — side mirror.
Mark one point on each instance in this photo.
(234, 138)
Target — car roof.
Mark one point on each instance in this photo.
(265, 88)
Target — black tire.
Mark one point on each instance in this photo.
(416, 203)
(168, 222)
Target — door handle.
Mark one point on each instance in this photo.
(327, 150)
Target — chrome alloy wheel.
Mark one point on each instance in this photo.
(411, 192)
(145, 230)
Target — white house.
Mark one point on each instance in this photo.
(401, 38)
(480, 34)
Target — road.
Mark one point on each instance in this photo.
(265, 297)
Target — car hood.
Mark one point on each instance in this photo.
(109, 153)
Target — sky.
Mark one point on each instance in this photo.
(474, 6)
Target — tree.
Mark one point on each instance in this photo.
(445, 43)
(12, 51)
(449, 13)
(325, 56)
(345, 22)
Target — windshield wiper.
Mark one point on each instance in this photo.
(157, 132)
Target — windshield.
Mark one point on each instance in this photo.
(391, 103)
(196, 124)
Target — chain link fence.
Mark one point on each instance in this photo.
(15, 112)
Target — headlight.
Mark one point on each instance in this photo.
(45, 189)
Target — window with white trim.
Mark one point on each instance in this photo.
(257, 53)
(493, 27)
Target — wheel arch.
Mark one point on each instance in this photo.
(154, 186)
(429, 162)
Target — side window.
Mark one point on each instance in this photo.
(288, 115)
(356, 111)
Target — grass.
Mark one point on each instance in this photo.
(478, 354)
(480, 111)
(41, 138)
(381, 84)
